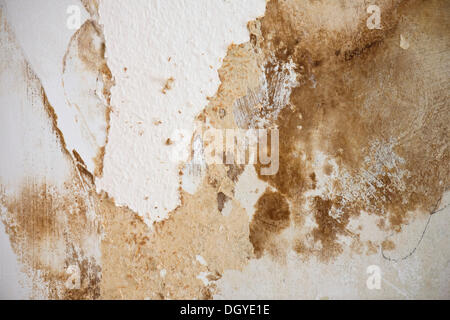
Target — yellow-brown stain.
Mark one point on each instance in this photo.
(368, 92)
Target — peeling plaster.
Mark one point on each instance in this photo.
(189, 52)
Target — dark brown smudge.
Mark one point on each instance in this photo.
(271, 217)
(221, 199)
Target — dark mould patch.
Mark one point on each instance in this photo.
(271, 217)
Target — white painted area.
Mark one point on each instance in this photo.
(156, 41)
(41, 31)
(32, 152)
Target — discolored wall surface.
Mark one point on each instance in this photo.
(94, 204)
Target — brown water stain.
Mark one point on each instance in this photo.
(366, 89)
(271, 217)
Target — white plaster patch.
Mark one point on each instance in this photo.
(42, 33)
(156, 41)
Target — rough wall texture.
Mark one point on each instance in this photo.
(95, 206)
